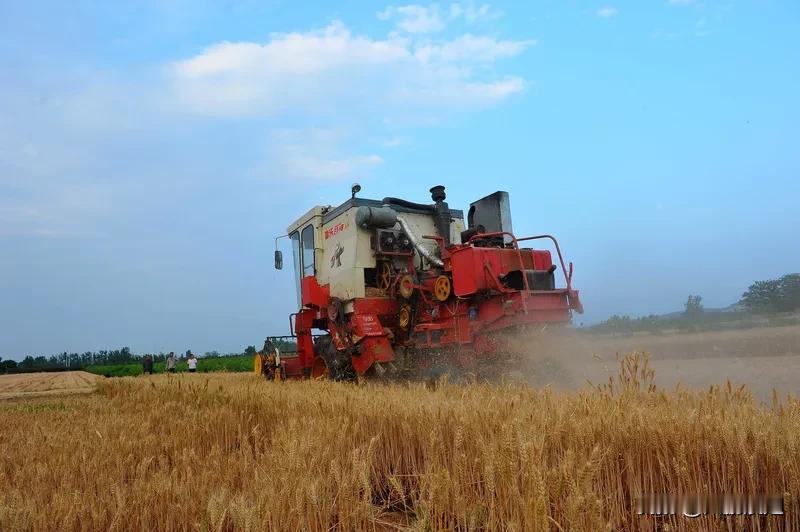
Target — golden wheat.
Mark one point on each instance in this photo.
(232, 452)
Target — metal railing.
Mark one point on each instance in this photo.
(515, 240)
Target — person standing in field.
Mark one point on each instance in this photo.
(147, 364)
(192, 361)
(171, 361)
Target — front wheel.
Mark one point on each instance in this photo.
(330, 363)
(258, 364)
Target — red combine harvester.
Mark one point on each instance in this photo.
(394, 287)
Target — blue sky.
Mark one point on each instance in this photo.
(151, 151)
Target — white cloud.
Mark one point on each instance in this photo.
(316, 154)
(606, 11)
(471, 12)
(333, 77)
(324, 70)
(701, 28)
(299, 163)
(293, 53)
(418, 19)
(71, 152)
(47, 185)
(472, 49)
(393, 142)
(50, 204)
(663, 34)
(414, 18)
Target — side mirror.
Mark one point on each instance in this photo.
(278, 259)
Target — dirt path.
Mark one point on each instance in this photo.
(37, 384)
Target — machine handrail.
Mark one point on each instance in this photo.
(516, 241)
(567, 274)
(291, 330)
(519, 256)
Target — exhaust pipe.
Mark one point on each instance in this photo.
(425, 252)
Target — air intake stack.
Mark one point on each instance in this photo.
(442, 211)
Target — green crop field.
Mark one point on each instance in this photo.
(239, 363)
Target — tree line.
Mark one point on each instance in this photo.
(75, 361)
(769, 297)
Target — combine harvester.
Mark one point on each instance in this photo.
(404, 289)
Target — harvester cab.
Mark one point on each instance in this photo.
(398, 287)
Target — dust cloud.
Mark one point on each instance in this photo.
(763, 358)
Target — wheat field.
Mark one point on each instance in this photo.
(232, 452)
(39, 384)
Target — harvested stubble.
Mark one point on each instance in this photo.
(231, 452)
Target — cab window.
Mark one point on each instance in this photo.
(308, 250)
(298, 266)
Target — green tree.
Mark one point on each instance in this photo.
(774, 295)
(693, 306)
(790, 292)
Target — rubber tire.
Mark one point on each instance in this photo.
(340, 367)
